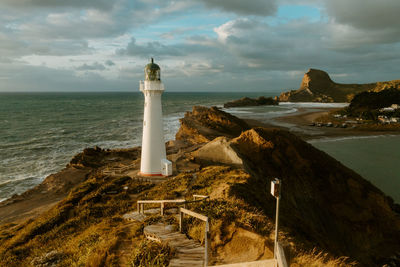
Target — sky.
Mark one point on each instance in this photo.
(200, 45)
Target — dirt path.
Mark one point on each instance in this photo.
(125, 245)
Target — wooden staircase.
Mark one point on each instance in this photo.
(187, 251)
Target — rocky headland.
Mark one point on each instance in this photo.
(330, 215)
(317, 86)
(247, 102)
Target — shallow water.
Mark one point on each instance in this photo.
(376, 158)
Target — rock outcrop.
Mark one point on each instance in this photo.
(317, 86)
(218, 150)
(204, 124)
(247, 102)
(323, 202)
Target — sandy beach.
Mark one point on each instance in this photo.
(299, 123)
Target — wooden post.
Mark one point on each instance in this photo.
(162, 208)
(180, 220)
(138, 207)
(206, 236)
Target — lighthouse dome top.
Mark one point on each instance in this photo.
(152, 71)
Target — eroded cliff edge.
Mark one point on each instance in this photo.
(317, 86)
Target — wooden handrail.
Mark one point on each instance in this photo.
(200, 196)
(206, 231)
(140, 204)
(194, 214)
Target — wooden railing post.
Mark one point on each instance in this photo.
(206, 244)
(180, 220)
(162, 208)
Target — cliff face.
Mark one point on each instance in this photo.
(204, 124)
(317, 86)
(324, 204)
(323, 201)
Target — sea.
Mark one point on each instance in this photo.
(41, 132)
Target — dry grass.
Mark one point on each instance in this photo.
(151, 254)
(85, 228)
(320, 259)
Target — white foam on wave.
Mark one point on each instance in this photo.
(237, 111)
(345, 138)
(292, 110)
(315, 104)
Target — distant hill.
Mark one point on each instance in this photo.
(248, 102)
(317, 86)
(368, 104)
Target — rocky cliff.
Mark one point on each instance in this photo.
(247, 102)
(324, 204)
(204, 124)
(317, 86)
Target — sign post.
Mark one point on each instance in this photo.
(276, 192)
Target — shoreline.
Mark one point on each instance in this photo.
(299, 123)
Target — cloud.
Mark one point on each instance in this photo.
(21, 78)
(254, 7)
(200, 44)
(97, 4)
(293, 47)
(365, 14)
(93, 66)
(149, 49)
(109, 63)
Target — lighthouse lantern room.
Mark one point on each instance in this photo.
(153, 161)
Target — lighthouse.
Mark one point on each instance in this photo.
(154, 161)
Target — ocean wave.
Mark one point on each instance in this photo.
(315, 105)
(345, 138)
(237, 111)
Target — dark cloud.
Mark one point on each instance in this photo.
(254, 7)
(365, 14)
(109, 63)
(93, 66)
(22, 78)
(257, 47)
(149, 49)
(96, 4)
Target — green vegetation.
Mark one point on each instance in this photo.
(151, 254)
(366, 105)
(85, 228)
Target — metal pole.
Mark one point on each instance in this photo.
(276, 226)
(207, 229)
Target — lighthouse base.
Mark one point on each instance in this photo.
(165, 169)
(150, 174)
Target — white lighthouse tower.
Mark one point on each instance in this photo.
(154, 161)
